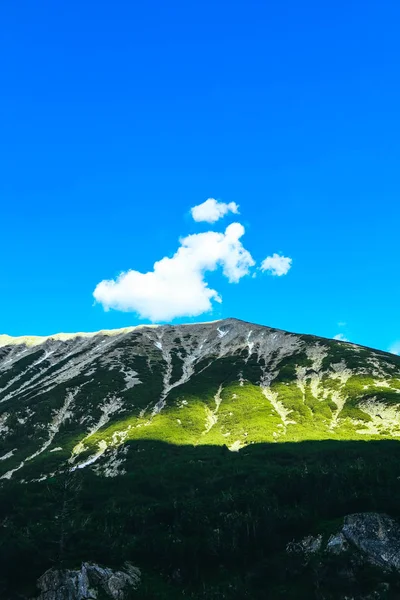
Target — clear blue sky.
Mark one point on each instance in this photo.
(118, 117)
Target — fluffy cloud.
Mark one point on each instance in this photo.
(395, 348)
(276, 264)
(211, 210)
(340, 337)
(176, 286)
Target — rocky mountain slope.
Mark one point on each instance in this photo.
(196, 455)
(75, 400)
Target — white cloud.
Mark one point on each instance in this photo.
(276, 264)
(211, 210)
(342, 324)
(340, 337)
(177, 287)
(395, 348)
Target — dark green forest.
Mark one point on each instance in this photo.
(200, 522)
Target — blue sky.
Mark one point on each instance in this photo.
(117, 118)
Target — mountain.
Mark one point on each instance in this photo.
(76, 399)
(202, 436)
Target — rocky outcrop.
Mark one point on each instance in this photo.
(365, 553)
(90, 582)
(376, 536)
(337, 544)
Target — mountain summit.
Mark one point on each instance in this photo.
(75, 400)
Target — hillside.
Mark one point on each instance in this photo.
(113, 438)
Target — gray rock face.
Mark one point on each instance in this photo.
(90, 582)
(376, 535)
(337, 544)
(365, 541)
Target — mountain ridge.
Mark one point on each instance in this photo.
(225, 382)
(34, 340)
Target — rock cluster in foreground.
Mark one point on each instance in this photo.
(365, 552)
(89, 582)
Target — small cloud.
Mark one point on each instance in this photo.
(395, 348)
(276, 264)
(211, 210)
(342, 324)
(176, 287)
(340, 337)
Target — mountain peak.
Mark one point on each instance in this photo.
(74, 386)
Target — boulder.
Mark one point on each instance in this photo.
(359, 562)
(337, 544)
(90, 582)
(376, 535)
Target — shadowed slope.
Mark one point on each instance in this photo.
(200, 522)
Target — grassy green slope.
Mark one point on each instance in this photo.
(234, 396)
